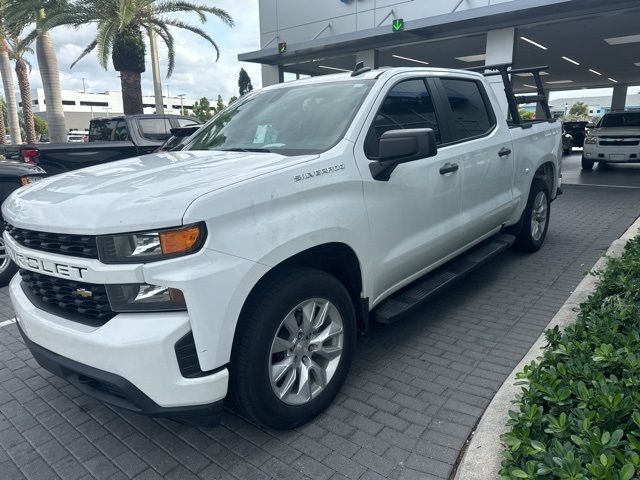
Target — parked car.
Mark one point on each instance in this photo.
(578, 131)
(567, 143)
(616, 139)
(248, 260)
(13, 175)
(110, 139)
(78, 136)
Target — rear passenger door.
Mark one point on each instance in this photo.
(483, 148)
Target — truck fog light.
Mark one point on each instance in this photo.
(144, 298)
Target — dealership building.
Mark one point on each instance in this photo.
(585, 43)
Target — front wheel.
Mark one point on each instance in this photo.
(7, 268)
(587, 164)
(535, 219)
(293, 348)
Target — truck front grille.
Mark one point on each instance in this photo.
(84, 246)
(82, 302)
(619, 143)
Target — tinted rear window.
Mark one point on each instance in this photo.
(154, 128)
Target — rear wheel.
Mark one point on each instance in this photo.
(293, 348)
(587, 164)
(535, 219)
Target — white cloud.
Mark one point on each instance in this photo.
(196, 72)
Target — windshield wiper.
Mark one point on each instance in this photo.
(258, 150)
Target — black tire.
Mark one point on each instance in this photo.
(587, 164)
(527, 240)
(8, 269)
(567, 151)
(261, 320)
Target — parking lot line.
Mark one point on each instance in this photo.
(7, 322)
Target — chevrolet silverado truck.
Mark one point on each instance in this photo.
(109, 139)
(245, 264)
(616, 139)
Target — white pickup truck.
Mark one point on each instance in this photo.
(245, 264)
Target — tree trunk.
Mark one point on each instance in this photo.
(9, 94)
(48, 65)
(22, 73)
(131, 92)
(3, 129)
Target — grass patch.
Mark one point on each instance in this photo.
(578, 414)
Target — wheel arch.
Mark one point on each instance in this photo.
(335, 258)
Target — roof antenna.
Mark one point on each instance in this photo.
(360, 69)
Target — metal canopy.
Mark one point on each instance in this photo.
(575, 29)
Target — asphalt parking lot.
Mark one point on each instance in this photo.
(414, 394)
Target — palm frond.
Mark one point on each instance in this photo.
(174, 6)
(85, 52)
(106, 35)
(197, 31)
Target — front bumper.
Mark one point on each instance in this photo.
(617, 154)
(135, 353)
(117, 390)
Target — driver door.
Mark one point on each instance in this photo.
(415, 216)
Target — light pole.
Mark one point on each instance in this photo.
(181, 103)
(155, 68)
(84, 89)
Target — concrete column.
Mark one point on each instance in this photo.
(369, 57)
(271, 75)
(619, 100)
(500, 49)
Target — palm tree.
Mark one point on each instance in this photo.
(3, 130)
(121, 25)
(22, 13)
(9, 90)
(17, 49)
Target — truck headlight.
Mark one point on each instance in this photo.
(144, 298)
(590, 140)
(151, 246)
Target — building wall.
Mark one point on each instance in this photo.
(301, 20)
(79, 108)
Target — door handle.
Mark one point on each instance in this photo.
(449, 168)
(504, 152)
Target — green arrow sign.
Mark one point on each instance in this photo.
(398, 25)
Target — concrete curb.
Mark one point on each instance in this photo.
(483, 456)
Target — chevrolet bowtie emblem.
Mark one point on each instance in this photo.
(84, 293)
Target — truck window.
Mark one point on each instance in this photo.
(289, 120)
(613, 120)
(186, 122)
(108, 130)
(408, 105)
(154, 129)
(472, 116)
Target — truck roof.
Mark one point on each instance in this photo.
(374, 75)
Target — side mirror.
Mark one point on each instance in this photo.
(402, 146)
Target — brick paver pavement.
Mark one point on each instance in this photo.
(413, 396)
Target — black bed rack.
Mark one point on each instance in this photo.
(513, 100)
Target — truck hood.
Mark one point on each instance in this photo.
(135, 194)
(618, 131)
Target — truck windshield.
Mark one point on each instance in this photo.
(621, 120)
(292, 120)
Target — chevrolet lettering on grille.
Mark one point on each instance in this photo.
(46, 266)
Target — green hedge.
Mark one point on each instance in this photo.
(578, 414)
